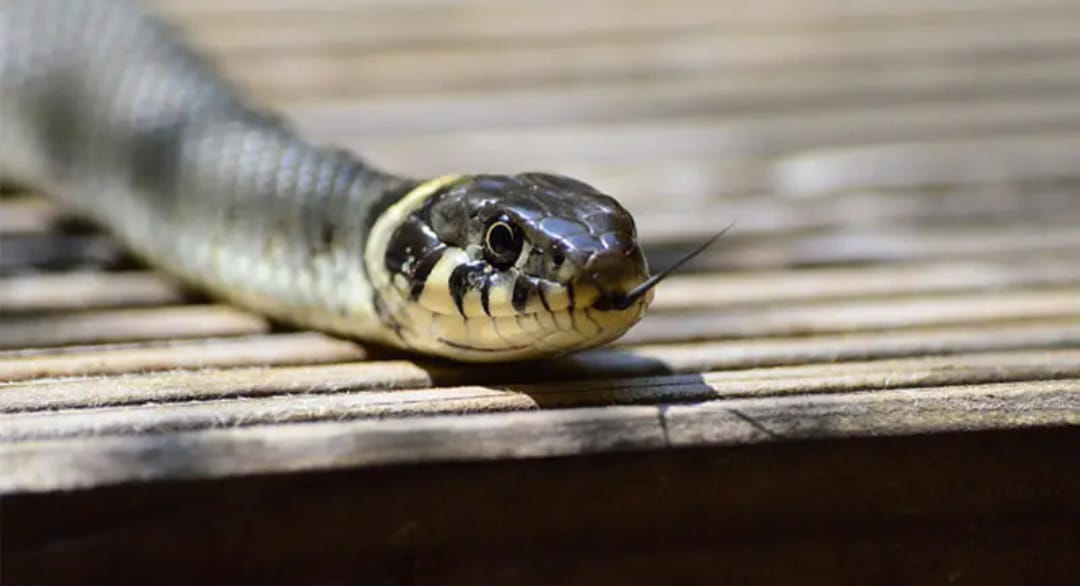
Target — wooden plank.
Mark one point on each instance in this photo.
(172, 387)
(458, 24)
(914, 164)
(716, 137)
(275, 350)
(524, 24)
(127, 325)
(763, 352)
(784, 10)
(957, 408)
(859, 244)
(751, 91)
(507, 26)
(86, 290)
(881, 511)
(338, 73)
(431, 439)
(856, 315)
(692, 182)
(24, 214)
(275, 395)
(261, 27)
(724, 290)
(82, 462)
(30, 252)
(381, 382)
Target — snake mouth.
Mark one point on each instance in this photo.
(620, 301)
(615, 294)
(525, 335)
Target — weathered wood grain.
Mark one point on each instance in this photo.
(25, 214)
(743, 353)
(156, 355)
(324, 72)
(784, 10)
(122, 325)
(850, 316)
(82, 463)
(285, 395)
(84, 290)
(914, 164)
(353, 25)
(749, 288)
(444, 24)
(957, 408)
(856, 245)
(735, 136)
(807, 91)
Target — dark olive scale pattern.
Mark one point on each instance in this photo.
(464, 278)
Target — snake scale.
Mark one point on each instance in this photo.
(104, 106)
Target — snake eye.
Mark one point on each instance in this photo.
(502, 243)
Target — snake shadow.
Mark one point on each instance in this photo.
(605, 376)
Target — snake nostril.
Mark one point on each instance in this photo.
(613, 273)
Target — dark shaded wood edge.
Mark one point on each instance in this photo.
(996, 507)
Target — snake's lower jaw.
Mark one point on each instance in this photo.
(524, 336)
(592, 320)
(616, 322)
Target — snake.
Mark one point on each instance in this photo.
(105, 106)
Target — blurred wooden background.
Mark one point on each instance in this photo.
(874, 378)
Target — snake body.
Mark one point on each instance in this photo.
(104, 106)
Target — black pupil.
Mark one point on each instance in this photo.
(503, 243)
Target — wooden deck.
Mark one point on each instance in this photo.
(875, 378)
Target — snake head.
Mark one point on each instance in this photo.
(500, 267)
